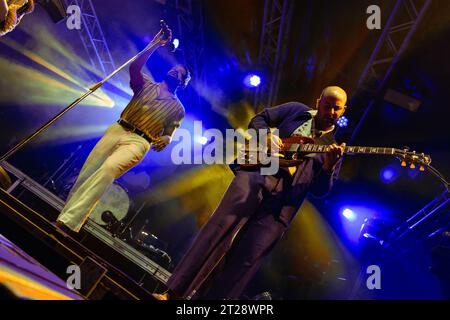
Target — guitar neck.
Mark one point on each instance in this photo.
(316, 148)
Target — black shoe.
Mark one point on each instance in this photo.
(168, 295)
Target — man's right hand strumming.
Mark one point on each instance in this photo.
(274, 142)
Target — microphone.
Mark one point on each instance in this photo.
(164, 28)
(167, 33)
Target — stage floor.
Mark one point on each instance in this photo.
(22, 277)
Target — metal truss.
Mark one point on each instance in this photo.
(273, 48)
(403, 21)
(92, 37)
(404, 240)
(23, 182)
(435, 213)
(190, 29)
(397, 32)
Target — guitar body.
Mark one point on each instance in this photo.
(288, 142)
(288, 155)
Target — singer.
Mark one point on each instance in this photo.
(148, 121)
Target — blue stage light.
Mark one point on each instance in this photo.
(349, 214)
(342, 122)
(202, 140)
(176, 43)
(388, 174)
(374, 229)
(252, 80)
(255, 80)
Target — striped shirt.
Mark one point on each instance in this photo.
(151, 114)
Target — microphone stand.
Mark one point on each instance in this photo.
(439, 175)
(91, 90)
(5, 181)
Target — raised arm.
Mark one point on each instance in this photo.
(3, 10)
(136, 76)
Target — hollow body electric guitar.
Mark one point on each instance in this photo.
(295, 149)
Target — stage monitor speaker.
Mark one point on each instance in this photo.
(56, 9)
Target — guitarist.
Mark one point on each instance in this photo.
(256, 209)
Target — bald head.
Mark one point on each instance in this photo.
(336, 93)
(330, 106)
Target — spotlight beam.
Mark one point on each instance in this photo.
(52, 68)
(68, 108)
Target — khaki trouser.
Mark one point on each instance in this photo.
(117, 151)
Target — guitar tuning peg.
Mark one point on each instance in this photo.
(403, 163)
(412, 166)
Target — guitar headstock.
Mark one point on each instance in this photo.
(412, 158)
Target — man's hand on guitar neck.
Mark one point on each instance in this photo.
(332, 157)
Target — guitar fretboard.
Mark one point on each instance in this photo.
(316, 148)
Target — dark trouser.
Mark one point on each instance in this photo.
(251, 206)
